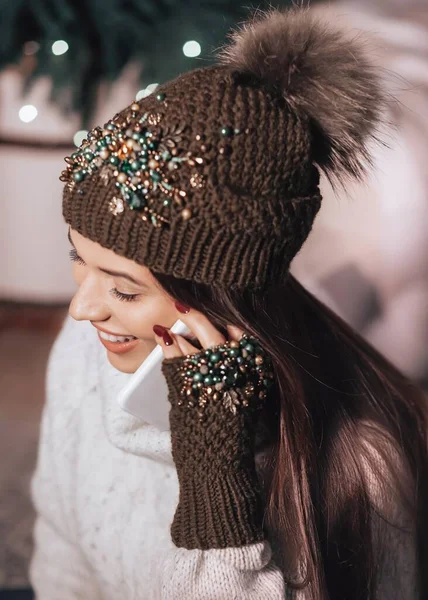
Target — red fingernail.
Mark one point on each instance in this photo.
(182, 308)
(167, 339)
(159, 330)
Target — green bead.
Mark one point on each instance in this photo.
(208, 380)
(189, 373)
(249, 348)
(110, 127)
(155, 176)
(160, 97)
(227, 131)
(89, 156)
(108, 139)
(166, 155)
(215, 357)
(153, 145)
(234, 352)
(195, 386)
(135, 165)
(167, 202)
(240, 360)
(136, 136)
(198, 377)
(114, 160)
(230, 379)
(78, 176)
(126, 167)
(216, 379)
(153, 219)
(136, 202)
(101, 143)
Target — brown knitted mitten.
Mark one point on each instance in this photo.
(212, 440)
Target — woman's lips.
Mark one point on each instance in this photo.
(118, 347)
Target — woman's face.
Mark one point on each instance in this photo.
(121, 299)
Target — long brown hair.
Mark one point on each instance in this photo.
(348, 442)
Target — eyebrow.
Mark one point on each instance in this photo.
(114, 273)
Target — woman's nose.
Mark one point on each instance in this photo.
(88, 303)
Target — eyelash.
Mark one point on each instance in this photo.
(123, 297)
(76, 258)
(119, 295)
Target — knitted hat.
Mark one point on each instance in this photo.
(215, 178)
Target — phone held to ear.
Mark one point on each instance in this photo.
(146, 394)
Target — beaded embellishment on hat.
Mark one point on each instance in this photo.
(144, 158)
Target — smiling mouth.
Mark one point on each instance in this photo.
(118, 339)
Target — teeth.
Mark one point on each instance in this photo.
(116, 338)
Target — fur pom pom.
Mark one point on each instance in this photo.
(321, 71)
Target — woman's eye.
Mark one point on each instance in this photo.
(123, 297)
(76, 258)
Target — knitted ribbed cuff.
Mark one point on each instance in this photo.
(218, 511)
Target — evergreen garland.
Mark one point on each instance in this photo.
(106, 35)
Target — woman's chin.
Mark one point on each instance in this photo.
(131, 361)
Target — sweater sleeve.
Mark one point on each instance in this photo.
(245, 573)
(58, 569)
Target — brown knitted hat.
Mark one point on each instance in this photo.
(215, 177)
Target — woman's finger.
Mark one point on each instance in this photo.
(207, 334)
(169, 345)
(235, 332)
(185, 346)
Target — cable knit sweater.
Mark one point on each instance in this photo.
(105, 490)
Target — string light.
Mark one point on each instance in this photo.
(146, 91)
(191, 49)
(59, 47)
(79, 136)
(28, 113)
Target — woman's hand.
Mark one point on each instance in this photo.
(175, 346)
(214, 394)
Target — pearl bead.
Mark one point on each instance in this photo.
(122, 177)
(186, 213)
(130, 143)
(153, 164)
(104, 154)
(259, 360)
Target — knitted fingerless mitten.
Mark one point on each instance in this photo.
(213, 449)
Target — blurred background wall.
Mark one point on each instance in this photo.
(64, 67)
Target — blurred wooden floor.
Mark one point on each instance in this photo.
(26, 336)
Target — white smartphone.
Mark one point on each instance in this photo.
(146, 394)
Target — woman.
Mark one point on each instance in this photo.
(296, 465)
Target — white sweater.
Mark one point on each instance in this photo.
(105, 490)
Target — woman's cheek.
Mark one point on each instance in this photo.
(140, 318)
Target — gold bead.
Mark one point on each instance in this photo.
(135, 106)
(259, 360)
(209, 390)
(123, 152)
(215, 396)
(153, 164)
(234, 344)
(104, 153)
(122, 177)
(130, 144)
(186, 213)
